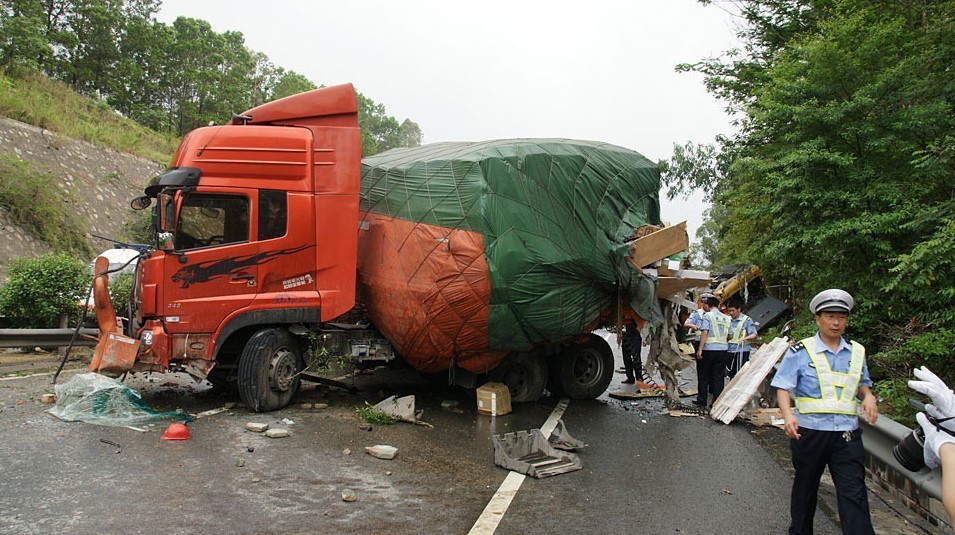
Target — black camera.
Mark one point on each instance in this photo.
(909, 452)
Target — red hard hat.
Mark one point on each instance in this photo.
(176, 431)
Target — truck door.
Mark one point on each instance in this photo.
(214, 269)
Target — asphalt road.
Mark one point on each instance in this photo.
(643, 471)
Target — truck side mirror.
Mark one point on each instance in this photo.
(140, 203)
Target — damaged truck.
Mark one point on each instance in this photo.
(473, 260)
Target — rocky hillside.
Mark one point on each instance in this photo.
(102, 181)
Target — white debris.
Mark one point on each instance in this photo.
(256, 427)
(277, 433)
(382, 452)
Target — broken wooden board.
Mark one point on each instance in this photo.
(677, 413)
(659, 245)
(746, 383)
(763, 417)
(638, 394)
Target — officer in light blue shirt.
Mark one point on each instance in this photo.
(711, 356)
(828, 377)
(742, 330)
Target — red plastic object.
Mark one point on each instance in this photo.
(176, 431)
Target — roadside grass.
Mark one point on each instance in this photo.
(49, 104)
(34, 200)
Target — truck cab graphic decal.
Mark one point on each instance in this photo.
(207, 271)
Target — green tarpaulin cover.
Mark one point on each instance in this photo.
(554, 215)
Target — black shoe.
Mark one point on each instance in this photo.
(698, 403)
(629, 381)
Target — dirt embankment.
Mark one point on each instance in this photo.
(102, 181)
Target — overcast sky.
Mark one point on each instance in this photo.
(471, 71)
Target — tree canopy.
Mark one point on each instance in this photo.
(171, 78)
(841, 173)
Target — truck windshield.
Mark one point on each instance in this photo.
(208, 220)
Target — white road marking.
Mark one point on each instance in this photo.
(494, 511)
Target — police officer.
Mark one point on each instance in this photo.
(829, 378)
(711, 356)
(742, 330)
(692, 324)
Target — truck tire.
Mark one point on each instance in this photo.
(584, 371)
(269, 370)
(525, 375)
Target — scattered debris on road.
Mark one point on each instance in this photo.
(101, 400)
(382, 452)
(119, 448)
(277, 432)
(401, 409)
(348, 495)
(48, 398)
(256, 427)
(528, 452)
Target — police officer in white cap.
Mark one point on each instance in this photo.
(829, 379)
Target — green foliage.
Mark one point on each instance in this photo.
(841, 173)
(170, 78)
(138, 226)
(38, 290)
(120, 291)
(49, 104)
(894, 395)
(373, 416)
(34, 199)
(320, 359)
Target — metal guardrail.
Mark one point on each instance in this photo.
(879, 439)
(46, 337)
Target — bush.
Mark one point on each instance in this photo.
(120, 291)
(38, 290)
(892, 368)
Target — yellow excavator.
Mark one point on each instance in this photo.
(746, 282)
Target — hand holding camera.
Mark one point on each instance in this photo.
(943, 400)
(934, 438)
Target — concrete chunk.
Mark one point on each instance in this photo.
(257, 427)
(277, 433)
(382, 452)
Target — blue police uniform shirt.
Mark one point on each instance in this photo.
(696, 318)
(705, 326)
(748, 326)
(797, 374)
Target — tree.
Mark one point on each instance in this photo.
(409, 134)
(840, 174)
(379, 131)
(290, 83)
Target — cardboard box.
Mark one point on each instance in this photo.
(494, 399)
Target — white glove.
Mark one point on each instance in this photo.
(933, 441)
(929, 384)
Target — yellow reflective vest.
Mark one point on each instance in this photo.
(719, 327)
(832, 401)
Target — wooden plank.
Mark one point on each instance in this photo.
(659, 245)
(670, 286)
(746, 383)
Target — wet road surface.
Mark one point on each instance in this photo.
(643, 471)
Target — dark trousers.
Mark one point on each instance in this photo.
(710, 375)
(632, 343)
(735, 361)
(846, 461)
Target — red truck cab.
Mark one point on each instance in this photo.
(256, 234)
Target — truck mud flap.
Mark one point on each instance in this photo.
(528, 452)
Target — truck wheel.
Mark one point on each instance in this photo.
(524, 374)
(268, 370)
(584, 371)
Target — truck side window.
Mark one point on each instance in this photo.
(208, 220)
(273, 214)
